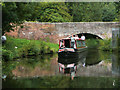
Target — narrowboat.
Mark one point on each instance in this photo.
(69, 49)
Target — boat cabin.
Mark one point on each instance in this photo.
(67, 43)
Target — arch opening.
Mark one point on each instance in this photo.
(89, 36)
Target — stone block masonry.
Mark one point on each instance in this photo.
(101, 29)
(55, 31)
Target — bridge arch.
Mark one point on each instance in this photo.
(90, 36)
(101, 29)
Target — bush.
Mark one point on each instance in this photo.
(92, 43)
(7, 55)
(105, 45)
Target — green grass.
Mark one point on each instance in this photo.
(15, 47)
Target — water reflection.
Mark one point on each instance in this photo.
(62, 82)
(44, 65)
(70, 65)
(52, 71)
(93, 57)
(89, 63)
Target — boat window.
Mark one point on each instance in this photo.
(83, 43)
(80, 43)
(60, 43)
(67, 43)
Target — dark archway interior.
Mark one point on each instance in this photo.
(89, 36)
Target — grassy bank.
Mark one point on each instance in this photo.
(15, 47)
(104, 45)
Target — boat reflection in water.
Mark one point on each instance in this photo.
(71, 63)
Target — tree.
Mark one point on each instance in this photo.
(54, 12)
(87, 12)
(70, 7)
(109, 12)
(117, 5)
(94, 11)
(15, 13)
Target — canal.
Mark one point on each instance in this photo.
(92, 69)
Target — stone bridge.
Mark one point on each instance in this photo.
(100, 29)
(56, 31)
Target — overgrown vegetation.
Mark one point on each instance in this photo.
(92, 43)
(14, 48)
(104, 45)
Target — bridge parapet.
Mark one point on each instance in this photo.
(56, 31)
(101, 29)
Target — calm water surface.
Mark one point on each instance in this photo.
(92, 69)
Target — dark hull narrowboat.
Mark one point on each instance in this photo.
(71, 58)
(68, 50)
(67, 54)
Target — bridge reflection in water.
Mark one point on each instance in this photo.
(116, 64)
(89, 63)
(93, 68)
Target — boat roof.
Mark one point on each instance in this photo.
(70, 38)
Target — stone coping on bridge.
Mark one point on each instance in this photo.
(72, 22)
